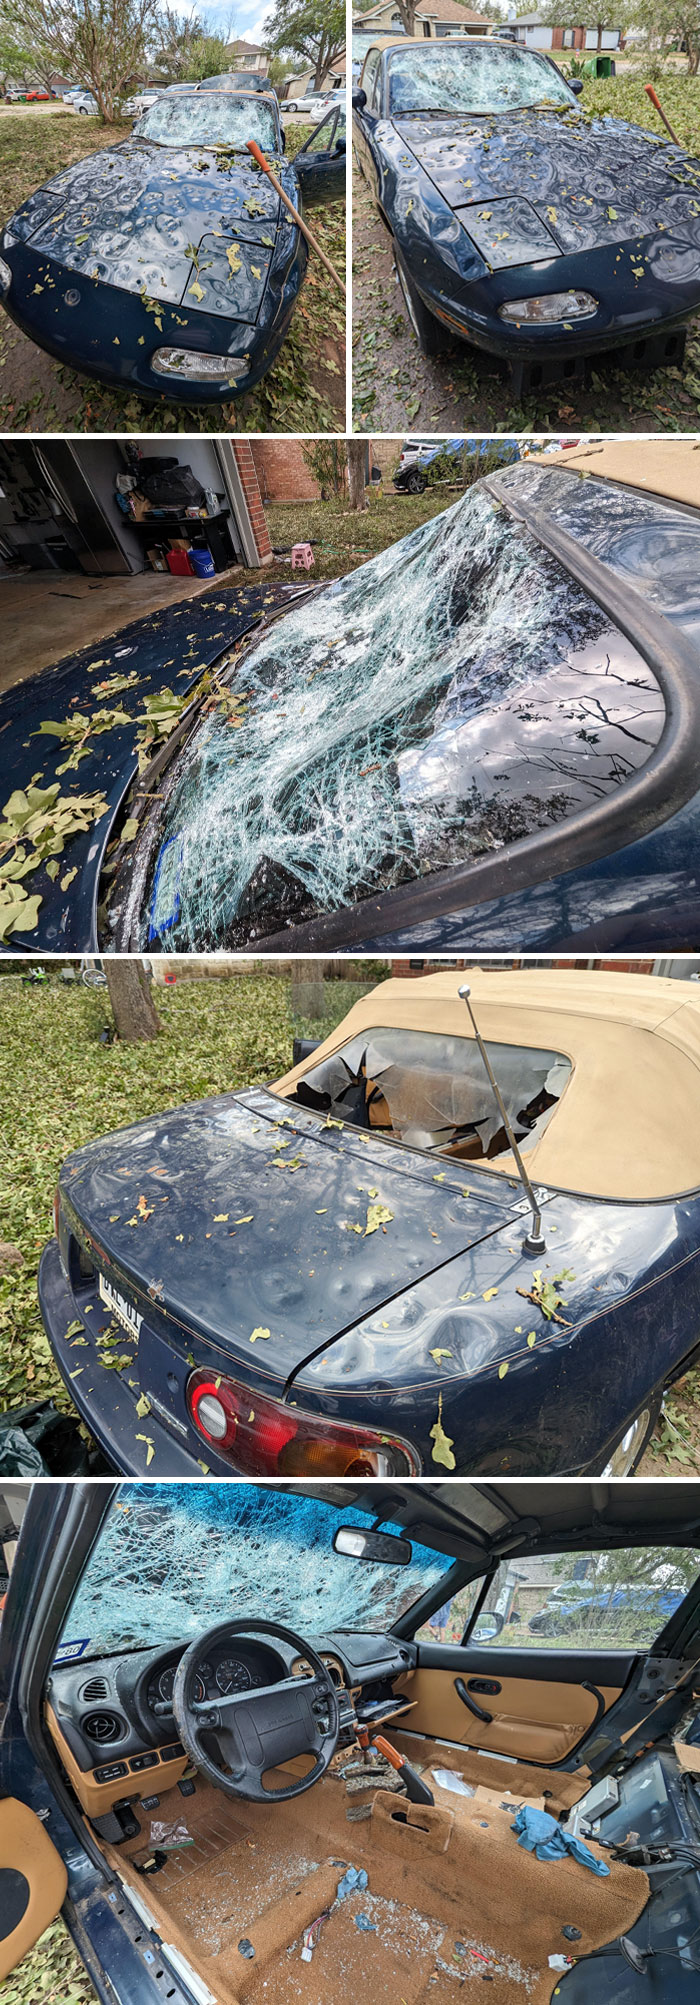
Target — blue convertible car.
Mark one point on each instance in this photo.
(168, 264)
(377, 1264)
(519, 222)
(240, 1758)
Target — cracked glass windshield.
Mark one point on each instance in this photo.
(172, 1561)
(452, 695)
(479, 80)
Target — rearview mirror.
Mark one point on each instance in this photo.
(359, 100)
(384, 1548)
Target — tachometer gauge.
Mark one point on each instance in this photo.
(232, 1675)
(165, 1684)
(200, 1691)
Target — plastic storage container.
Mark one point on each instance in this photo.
(202, 563)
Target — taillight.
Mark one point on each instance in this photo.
(56, 1210)
(262, 1437)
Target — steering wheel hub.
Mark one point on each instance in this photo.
(235, 1738)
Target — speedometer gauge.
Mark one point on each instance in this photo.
(232, 1675)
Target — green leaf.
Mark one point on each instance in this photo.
(442, 1445)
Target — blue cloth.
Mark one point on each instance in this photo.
(539, 1833)
(352, 1882)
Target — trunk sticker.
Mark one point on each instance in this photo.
(128, 1317)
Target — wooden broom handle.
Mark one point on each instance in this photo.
(253, 148)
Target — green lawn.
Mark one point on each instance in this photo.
(304, 391)
(343, 539)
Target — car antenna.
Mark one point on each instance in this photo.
(535, 1241)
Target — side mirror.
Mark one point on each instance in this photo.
(576, 85)
(340, 145)
(384, 1548)
(488, 1626)
(359, 100)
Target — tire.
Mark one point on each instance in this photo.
(431, 337)
(416, 483)
(634, 1441)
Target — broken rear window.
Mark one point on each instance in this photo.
(432, 1091)
(455, 694)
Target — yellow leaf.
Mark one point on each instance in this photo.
(502, 1369)
(196, 289)
(442, 1445)
(68, 879)
(248, 1220)
(150, 1450)
(532, 1339)
(129, 830)
(264, 1334)
(221, 1218)
(489, 1294)
(234, 257)
(437, 1355)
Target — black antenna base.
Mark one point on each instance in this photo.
(535, 1243)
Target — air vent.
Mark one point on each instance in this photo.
(96, 1688)
(103, 1727)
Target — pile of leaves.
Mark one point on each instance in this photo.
(34, 829)
(52, 1973)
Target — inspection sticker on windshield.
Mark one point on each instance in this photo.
(128, 1317)
(165, 903)
(67, 1652)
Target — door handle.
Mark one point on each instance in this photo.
(489, 1686)
(467, 1700)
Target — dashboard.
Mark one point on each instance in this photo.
(111, 1718)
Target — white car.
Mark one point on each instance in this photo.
(140, 102)
(82, 101)
(313, 104)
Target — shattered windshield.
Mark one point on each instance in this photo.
(456, 693)
(173, 1560)
(432, 1092)
(486, 78)
(215, 120)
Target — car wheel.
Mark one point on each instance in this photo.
(430, 335)
(632, 1445)
(416, 483)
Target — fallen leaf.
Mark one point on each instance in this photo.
(442, 1445)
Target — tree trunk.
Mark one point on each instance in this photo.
(307, 996)
(357, 453)
(599, 44)
(130, 996)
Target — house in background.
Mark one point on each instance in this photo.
(333, 79)
(434, 18)
(247, 56)
(533, 34)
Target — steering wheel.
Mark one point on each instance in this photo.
(236, 1737)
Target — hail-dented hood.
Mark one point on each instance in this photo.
(544, 184)
(193, 226)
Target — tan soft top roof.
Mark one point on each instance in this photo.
(628, 1122)
(659, 466)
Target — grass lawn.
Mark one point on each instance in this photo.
(342, 539)
(304, 390)
(396, 387)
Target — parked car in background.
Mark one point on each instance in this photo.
(190, 299)
(520, 222)
(83, 101)
(575, 1605)
(311, 103)
(140, 102)
(413, 473)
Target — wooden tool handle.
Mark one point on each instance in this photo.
(253, 148)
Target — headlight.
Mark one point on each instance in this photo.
(547, 307)
(5, 278)
(197, 368)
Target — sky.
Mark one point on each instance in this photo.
(245, 20)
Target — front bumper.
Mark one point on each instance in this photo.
(630, 310)
(111, 336)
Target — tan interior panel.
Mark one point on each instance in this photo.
(25, 1847)
(532, 1719)
(97, 1798)
(502, 1773)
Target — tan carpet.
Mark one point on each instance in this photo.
(451, 1896)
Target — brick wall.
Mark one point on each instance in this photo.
(282, 472)
(249, 480)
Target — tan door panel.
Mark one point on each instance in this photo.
(533, 1719)
(26, 1855)
(97, 1797)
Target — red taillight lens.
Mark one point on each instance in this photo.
(262, 1437)
(56, 1210)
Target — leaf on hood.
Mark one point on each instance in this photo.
(439, 1355)
(196, 289)
(441, 1450)
(150, 1450)
(142, 1407)
(377, 1214)
(489, 1294)
(262, 1334)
